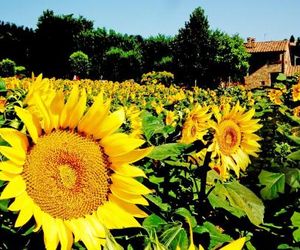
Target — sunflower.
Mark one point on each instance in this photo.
(195, 125)
(296, 92)
(275, 95)
(72, 171)
(234, 139)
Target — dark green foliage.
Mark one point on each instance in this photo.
(7, 68)
(228, 60)
(55, 38)
(191, 49)
(195, 55)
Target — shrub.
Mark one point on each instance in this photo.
(163, 77)
(7, 68)
(79, 63)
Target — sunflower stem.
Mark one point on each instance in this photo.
(203, 177)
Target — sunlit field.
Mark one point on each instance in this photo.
(123, 165)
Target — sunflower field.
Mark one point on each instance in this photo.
(121, 165)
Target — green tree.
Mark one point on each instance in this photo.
(7, 68)
(191, 49)
(228, 58)
(121, 65)
(55, 38)
(157, 53)
(79, 63)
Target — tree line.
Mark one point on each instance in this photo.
(196, 55)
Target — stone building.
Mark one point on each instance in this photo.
(268, 59)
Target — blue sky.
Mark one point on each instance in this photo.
(263, 19)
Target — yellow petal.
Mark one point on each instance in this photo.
(121, 219)
(88, 236)
(130, 198)
(50, 232)
(25, 213)
(18, 156)
(19, 202)
(56, 106)
(128, 208)
(69, 107)
(38, 216)
(14, 188)
(128, 170)
(15, 138)
(4, 176)
(235, 245)
(115, 145)
(96, 224)
(78, 111)
(44, 112)
(132, 156)
(110, 124)
(129, 185)
(10, 167)
(31, 123)
(94, 115)
(64, 235)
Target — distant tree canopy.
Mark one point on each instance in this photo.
(195, 55)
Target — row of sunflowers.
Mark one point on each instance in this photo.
(99, 164)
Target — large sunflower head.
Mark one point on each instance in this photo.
(234, 138)
(72, 170)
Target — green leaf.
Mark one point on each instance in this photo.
(185, 213)
(4, 205)
(151, 125)
(295, 219)
(169, 235)
(2, 86)
(180, 240)
(158, 202)
(292, 177)
(243, 198)
(153, 222)
(281, 77)
(294, 156)
(274, 184)
(167, 150)
(217, 199)
(216, 235)
(295, 139)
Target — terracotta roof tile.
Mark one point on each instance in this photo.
(270, 46)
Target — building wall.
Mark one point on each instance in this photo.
(261, 77)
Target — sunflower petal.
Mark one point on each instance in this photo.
(130, 198)
(44, 112)
(25, 213)
(10, 167)
(50, 232)
(129, 185)
(69, 106)
(31, 122)
(14, 188)
(64, 235)
(128, 170)
(78, 111)
(110, 124)
(18, 156)
(122, 220)
(129, 208)
(132, 156)
(115, 145)
(15, 138)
